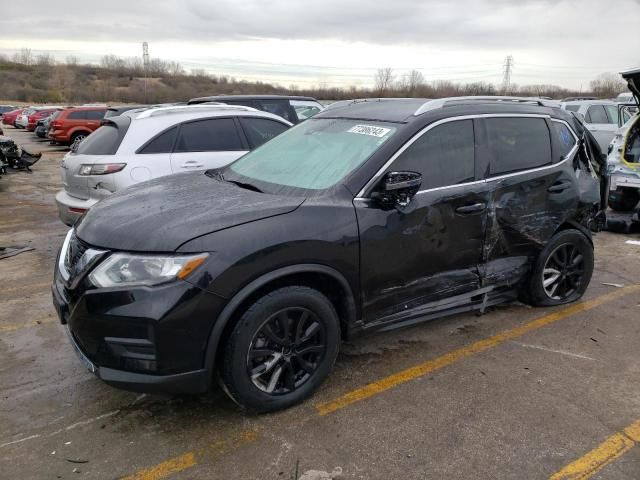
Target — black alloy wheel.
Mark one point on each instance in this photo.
(563, 272)
(281, 349)
(286, 350)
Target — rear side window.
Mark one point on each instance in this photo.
(444, 155)
(261, 130)
(565, 140)
(518, 144)
(95, 114)
(104, 141)
(212, 135)
(77, 115)
(163, 143)
(612, 113)
(596, 114)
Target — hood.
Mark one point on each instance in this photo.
(162, 214)
(633, 81)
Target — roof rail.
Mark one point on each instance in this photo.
(441, 102)
(154, 112)
(343, 103)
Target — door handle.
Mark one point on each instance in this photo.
(191, 164)
(469, 209)
(559, 186)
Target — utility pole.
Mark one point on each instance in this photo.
(506, 79)
(145, 64)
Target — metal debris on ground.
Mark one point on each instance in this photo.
(617, 285)
(633, 242)
(6, 252)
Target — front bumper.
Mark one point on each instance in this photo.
(188, 382)
(70, 209)
(143, 339)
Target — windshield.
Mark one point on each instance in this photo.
(315, 155)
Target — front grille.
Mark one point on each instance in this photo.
(75, 251)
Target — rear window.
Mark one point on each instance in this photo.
(572, 108)
(518, 144)
(95, 114)
(104, 141)
(77, 115)
(596, 114)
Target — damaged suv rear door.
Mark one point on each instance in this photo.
(536, 188)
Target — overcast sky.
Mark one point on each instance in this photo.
(342, 42)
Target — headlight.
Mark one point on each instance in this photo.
(123, 269)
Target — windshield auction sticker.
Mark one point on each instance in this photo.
(369, 130)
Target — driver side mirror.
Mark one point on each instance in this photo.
(398, 188)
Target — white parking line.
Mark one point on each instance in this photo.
(561, 352)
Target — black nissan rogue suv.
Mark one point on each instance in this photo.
(369, 216)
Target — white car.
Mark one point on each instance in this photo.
(599, 116)
(623, 159)
(149, 143)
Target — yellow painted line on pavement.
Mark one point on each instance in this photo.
(190, 459)
(612, 448)
(392, 381)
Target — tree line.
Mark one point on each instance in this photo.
(25, 77)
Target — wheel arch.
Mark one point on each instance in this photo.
(326, 279)
(573, 225)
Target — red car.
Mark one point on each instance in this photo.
(39, 114)
(9, 118)
(74, 124)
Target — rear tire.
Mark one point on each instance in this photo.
(624, 199)
(562, 271)
(281, 349)
(76, 138)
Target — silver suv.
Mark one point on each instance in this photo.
(149, 143)
(599, 116)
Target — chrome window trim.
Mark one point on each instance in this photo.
(378, 174)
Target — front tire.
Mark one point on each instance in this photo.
(562, 271)
(281, 349)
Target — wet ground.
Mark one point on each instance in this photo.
(518, 393)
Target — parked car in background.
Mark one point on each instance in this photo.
(624, 97)
(600, 117)
(23, 118)
(42, 126)
(39, 114)
(6, 108)
(135, 147)
(368, 217)
(74, 124)
(9, 118)
(114, 111)
(573, 99)
(294, 109)
(623, 157)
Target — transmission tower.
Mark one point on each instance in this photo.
(506, 79)
(145, 65)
